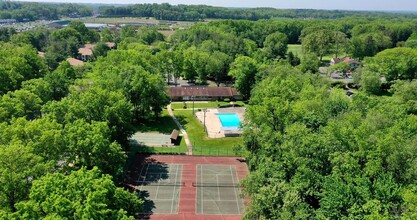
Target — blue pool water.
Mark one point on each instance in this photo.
(229, 119)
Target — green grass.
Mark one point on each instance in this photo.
(296, 49)
(163, 124)
(180, 105)
(202, 145)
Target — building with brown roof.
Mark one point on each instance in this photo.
(203, 93)
(85, 53)
(75, 62)
(353, 63)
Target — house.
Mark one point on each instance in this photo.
(85, 53)
(352, 63)
(203, 93)
(75, 62)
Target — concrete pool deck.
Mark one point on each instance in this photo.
(213, 124)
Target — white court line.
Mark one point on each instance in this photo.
(146, 172)
(138, 181)
(157, 187)
(173, 193)
(201, 189)
(218, 188)
(234, 190)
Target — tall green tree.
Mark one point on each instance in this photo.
(58, 196)
(244, 70)
(276, 45)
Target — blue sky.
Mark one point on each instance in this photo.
(393, 5)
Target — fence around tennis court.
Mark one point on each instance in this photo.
(214, 151)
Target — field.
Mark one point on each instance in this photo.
(296, 49)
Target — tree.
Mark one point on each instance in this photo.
(310, 63)
(95, 104)
(87, 35)
(369, 44)
(370, 82)
(149, 36)
(18, 168)
(324, 41)
(58, 196)
(89, 145)
(397, 63)
(60, 80)
(276, 45)
(293, 59)
(244, 70)
(17, 64)
(20, 103)
(412, 41)
(100, 50)
(319, 42)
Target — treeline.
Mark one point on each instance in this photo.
(166, 11)
(64, 130)
(26, 11)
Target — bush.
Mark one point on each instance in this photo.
(339, 85)
(226, 100)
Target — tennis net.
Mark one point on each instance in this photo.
(207, 184)
(157, 183)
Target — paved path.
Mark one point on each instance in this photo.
(184, 133)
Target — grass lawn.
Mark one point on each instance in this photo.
(211, 104)
(295, 49)
(202, 145)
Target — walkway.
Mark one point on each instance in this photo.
(184, 133)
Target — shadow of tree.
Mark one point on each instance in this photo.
(182, 120)
(139, 175)
(163, 124)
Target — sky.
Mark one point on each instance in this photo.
(390, 5)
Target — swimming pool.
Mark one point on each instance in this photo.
(229, 120)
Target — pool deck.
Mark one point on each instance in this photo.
(213, 124)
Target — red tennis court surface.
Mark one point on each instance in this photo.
(192, 198)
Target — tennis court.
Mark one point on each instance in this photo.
(160, 183)
(151, 139)
(218, 190)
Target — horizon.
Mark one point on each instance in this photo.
(353, 5)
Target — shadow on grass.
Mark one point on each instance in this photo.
(182, 120)
(163, 124)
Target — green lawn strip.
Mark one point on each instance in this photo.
(211, 104)
(202, 145)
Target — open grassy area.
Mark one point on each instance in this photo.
(202, 145)
(189, 104)
(296, 49)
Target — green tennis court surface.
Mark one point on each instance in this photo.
(218, 190)
(161, 184)
(151, 139)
